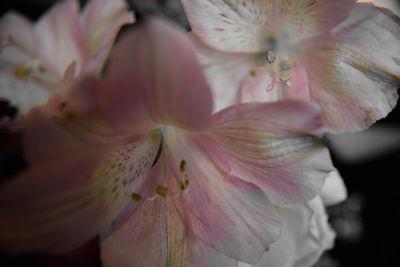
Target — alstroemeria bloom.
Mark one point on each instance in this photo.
(35, 59)
(313, 50)
(139, 158)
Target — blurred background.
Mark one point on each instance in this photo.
(366, 224)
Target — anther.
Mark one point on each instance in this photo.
(253, 73)
(270, 56)
(162, 190)
(136, 197)
(283, 77)
(182, 166)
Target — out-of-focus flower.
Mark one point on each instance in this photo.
(37, 59)
(314, 50)
(139, 158)
(306, 234)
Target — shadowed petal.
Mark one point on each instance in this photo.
(101, 20)
(356, 76)
(276, 147)
(148, 77)
(71, 190)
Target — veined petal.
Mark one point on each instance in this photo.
(59, 37)
(154, 236)
(224, 71)
(276, 147)
(148, 77)
(310, 18)
(101, 21)
(230, 25)
(71, 190)
(355, 76)
(230, 215)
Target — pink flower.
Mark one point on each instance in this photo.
(37, 59)
(139, 158)
(310, 50)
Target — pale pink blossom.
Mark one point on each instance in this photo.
(342, 55)
(139, 158)
(38, 58)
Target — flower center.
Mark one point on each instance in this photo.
(173, 166)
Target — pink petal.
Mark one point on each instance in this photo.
(355, 76)
(230, 26)
(154, 236)
(224, 71)
(73, 188)
(230, 215)
(18, 30)
(310, 18)
(148, 77)
(59, 37)
(101, 20)
(276, 147)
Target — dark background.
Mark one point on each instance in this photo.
(367, 225)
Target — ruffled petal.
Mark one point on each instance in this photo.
(230, 25)
(72, 188)
(275, 146)
(147, 77)
(101, 20)
(310, 18)
(355, 76)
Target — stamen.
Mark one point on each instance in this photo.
(283, 77)
(162, 190)
(136, 197)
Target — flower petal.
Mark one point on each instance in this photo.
(229, 25)
(154, 236)
(334, 190)
(309, 18)
(355, 77)
(20, 93)
(101, 21)
(276, 147)
(148, 78)
(72, 189)
(224, 72)
(306, 234)
(230, 215)
(58, 36)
